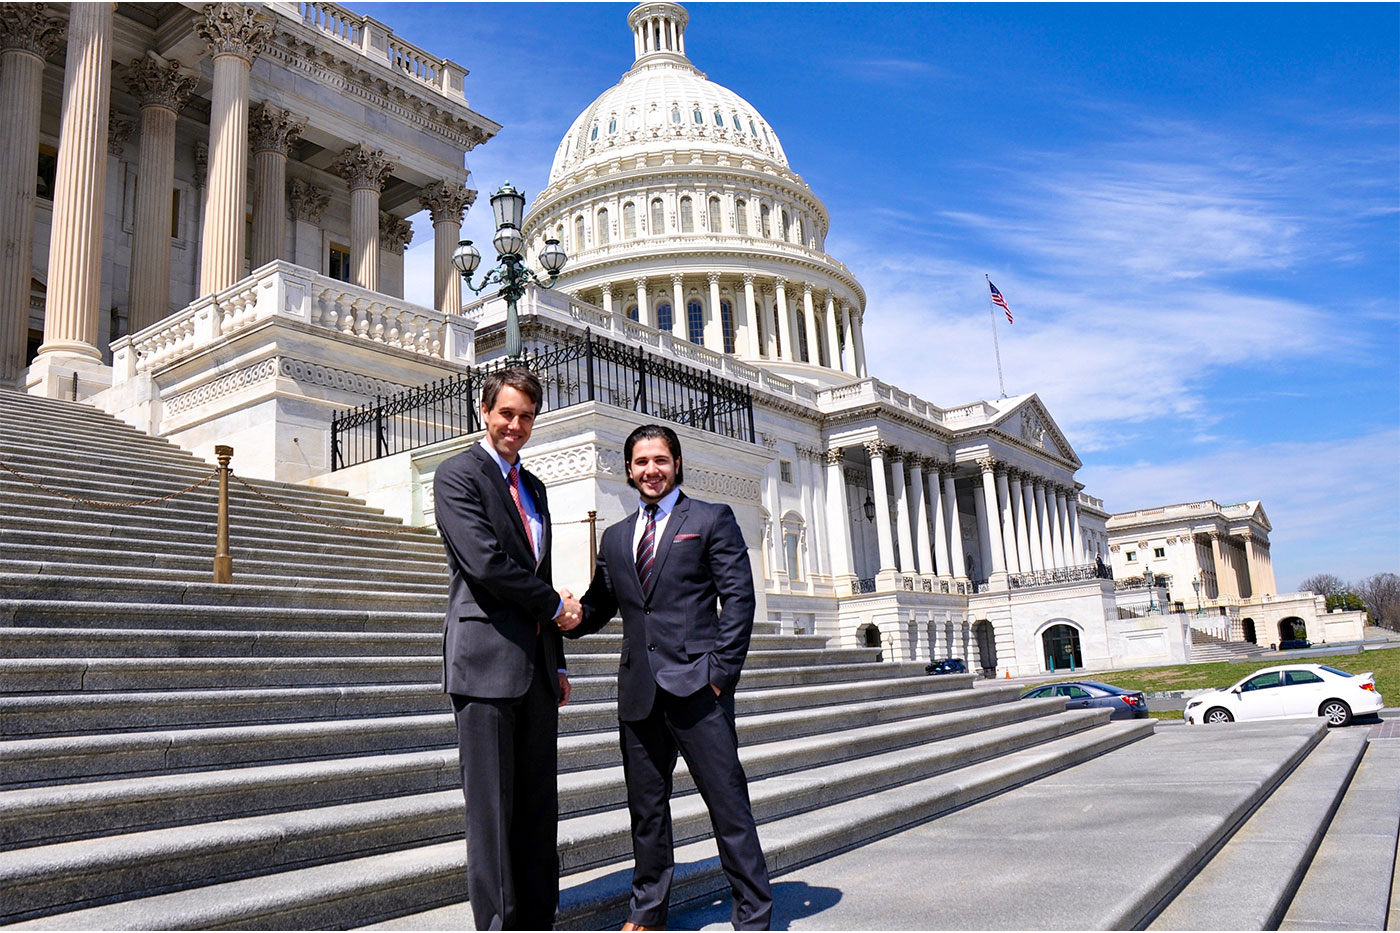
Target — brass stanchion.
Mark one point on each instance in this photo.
(592, 539)
(223, 561)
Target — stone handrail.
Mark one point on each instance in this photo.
(377, 41)
(1094, 501)
(870, 390)
(290, 292)
(747, 244)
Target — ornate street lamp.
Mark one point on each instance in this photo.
(1151, 601)
(1196, 585)
(509, 207)
(869, 507)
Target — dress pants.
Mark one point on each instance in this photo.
(701, 728)
(508, 753)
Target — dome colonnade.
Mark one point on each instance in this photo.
(678, 209)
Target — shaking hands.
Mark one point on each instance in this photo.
(570, 612)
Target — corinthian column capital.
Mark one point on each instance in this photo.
(271, 129)
(876, 448)
(987, 464)
(395, 233)
(28, 28)
(835, 456)
(232, 29)
(307, 200)
(445, 200)
(119, 130)
(159, 83)
(362, 167)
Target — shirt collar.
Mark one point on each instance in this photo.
(664, 507)
(500, 461)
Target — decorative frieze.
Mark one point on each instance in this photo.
(307, 201)
(28, 27)
(445, 200)
(225, 384)
(232, 29)
(362, 167)
(395, 233)
(271, 129)
(156, 83)
(201, 163)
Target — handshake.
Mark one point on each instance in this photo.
(570, 612)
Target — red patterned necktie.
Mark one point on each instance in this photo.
(513, 478)
(646, 549)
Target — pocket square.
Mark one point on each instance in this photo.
(686, 537)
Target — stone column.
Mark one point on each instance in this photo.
(607, 298)
(71, 314)
(714, 323)
(833, 341)
(744, 320)
(770, 331)
(1055, 500)
(758, 343)
(28, 35)
(814, 354)
(273, 132)
(940, 520)
(957, 564)
(901, 512)
(884, 535)
(364, 170)
(445, 201)
(848, 361)
(162, 88)
(643, 305)
(234, 34)
(1047, 550)
(857, 326)
(1018, 521)
(1225, 581)
(989, 500)
(1007, 518)
(1076, 534)
(1032, 524)
(923, 548)
(785, 334)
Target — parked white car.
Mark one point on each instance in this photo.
(1290, 691)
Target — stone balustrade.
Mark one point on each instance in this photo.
(375, 40)
(756, 245)
(870, 391)
(281, 290)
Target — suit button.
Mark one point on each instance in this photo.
(648, 611)
(651, 647)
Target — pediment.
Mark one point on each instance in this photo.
(1031, 424)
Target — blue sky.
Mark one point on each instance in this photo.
(1193, 210)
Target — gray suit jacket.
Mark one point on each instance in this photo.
(498, 599)
(693, 629)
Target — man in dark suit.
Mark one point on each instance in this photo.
(503, 660)
(666, 567)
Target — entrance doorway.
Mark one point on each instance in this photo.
(1291, 628)
(1062, 649)
(1249, 633)
(985, 636)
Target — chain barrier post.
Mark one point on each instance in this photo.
(223, 561)
(592, 539)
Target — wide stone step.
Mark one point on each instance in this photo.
(87, 713)
(1249, 883)
(148, 565)
(257, 593)
(357, 891)
(81, 614)
(268, 574)
(119, 866)
(26, 762)
(1349, 884)
(73, 811)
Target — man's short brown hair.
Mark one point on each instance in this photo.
(518, 378)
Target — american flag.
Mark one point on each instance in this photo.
(1000, 302)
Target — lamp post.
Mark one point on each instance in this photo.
(1147, 577)
(509, 207)
(1196, 585)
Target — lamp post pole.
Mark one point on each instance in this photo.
(511, 273)
(1196, 585)
(1147, 577)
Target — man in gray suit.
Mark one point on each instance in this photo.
(503, 660)
(666, 567)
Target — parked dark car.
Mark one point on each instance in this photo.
(1294, 643)
(1083, 694)
(946, 666)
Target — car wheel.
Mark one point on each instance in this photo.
(1216, 714)
(1335, 712)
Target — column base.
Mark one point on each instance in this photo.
(77, 378)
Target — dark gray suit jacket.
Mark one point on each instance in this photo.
(693, 629)
(498, 598)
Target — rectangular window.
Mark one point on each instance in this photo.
(785, 471)
(1159, 552)
(339, 265)
(794, 565)
(175, 214)
(1132, 557)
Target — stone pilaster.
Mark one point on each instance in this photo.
(234, 35)
(395, 233)
(71, 321)
(272, 132)
(364, 170)
(28, 35)
(162, 88)
(714, 322)
(785, 334)
(445, 201)
(607, 290)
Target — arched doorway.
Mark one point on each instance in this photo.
(1249, 633)
(1061, 648)
(1291, 628)
(868, 635)
(986, 639)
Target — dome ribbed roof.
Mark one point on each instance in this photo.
(664, 102)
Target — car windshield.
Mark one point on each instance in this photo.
(1333, 670)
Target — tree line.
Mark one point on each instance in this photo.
(1378, 594)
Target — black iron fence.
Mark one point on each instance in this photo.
(589, 369)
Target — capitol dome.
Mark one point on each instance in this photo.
(676, 204)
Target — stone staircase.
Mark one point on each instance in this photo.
(277, 752)
(1206, 647)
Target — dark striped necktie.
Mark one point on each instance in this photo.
(646, 550)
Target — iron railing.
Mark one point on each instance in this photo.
(589, 369)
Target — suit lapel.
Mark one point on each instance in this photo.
(497, 482)
(663, 547)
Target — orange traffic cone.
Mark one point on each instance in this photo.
(1008, 673)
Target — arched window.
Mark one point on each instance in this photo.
(629, 220)
(752, 131)
(775, 331)
(675, 114)
(803, 351)
(726, 319)
(719, 119)
(632, 312)
(658, 217)
(602, 226)
(787, 227)
(714, 215)
(664, 318)
(699, 117)
(633, 120)
(695, 321)
(737, 125)
(687, 216)
(801, 231)
(794, 531)
(594, 134)
(763, 222)
(578, 234)
(612, 126)
(741, 218)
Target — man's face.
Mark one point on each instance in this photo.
(509, 423)
(652, 468)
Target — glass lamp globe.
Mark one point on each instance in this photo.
(465, 257)
(508, 241)
(508, 206)
(553, 257)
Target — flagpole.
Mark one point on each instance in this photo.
(996, 343)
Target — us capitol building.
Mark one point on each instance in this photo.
(255, 289)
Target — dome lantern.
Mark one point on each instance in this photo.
(658, 31)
